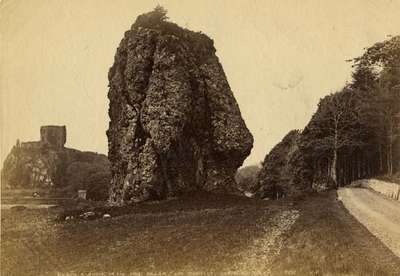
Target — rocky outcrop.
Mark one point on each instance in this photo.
(29, 167)
(47, 164)
(174, 123)
(281, 170)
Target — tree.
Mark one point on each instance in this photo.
(377, 71)
(334, 127)
(90, 176)
(279, 171)
(153, 18)
(389, 114)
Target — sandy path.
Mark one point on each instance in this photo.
(258, 258)
(381, 215)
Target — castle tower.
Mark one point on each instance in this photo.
(53, 136)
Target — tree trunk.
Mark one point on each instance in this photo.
(390, 171)
(333, 168)
(328, 168)
(362, 166)
(380, 159)
(335, 156)
(390, 150)
(344, 171)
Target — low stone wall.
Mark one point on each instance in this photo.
(388, 189)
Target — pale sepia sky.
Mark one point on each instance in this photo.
(280, 58)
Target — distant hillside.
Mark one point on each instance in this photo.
(354, 134)
(246, 177)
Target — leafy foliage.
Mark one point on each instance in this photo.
(158, 20)
(93, 177)
(277, 176)
(153, 18)
(355, 132)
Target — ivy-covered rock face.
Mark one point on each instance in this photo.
(175, 125)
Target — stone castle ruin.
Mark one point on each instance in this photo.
(50, 136)
(33, 163)
(47, 163)
(53, 136)
(175, 125)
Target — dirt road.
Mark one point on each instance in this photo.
(257, 259)
(381, 215)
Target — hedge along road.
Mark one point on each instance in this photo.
(379, 214)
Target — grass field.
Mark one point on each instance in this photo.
(196, 234)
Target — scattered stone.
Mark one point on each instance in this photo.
(18, 208)
(69, 218)
(249, 194)
(106, 216)
(87, 215)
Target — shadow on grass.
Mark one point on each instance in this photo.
(193, 233)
